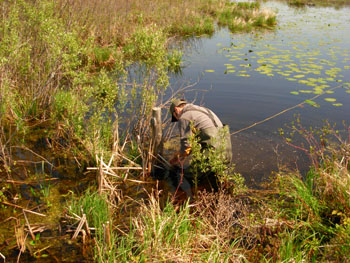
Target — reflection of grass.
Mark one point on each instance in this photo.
(301, 3)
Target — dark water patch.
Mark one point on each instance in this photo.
(34, 194)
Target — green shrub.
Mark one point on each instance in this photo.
(213, 160)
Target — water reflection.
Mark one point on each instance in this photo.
(251, 76)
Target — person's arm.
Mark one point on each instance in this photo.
(185, 147)
(185, 134)
(178, 157)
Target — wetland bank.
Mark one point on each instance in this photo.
(78, 83)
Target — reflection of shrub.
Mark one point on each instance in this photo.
(174, 61)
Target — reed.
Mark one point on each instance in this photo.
(173, 234)
(319, 203)
(93, 211)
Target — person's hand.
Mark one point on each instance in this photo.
(178, 157)
(175, 160)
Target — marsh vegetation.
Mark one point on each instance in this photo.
(78, 81)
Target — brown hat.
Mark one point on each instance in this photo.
(175, 103)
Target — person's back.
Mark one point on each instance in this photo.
(208, 129)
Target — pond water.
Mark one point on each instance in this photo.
(248, 77)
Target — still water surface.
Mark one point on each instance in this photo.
(248, 77)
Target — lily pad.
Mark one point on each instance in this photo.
(330, 99)
(312, 103)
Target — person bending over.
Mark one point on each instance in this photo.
(206, 126)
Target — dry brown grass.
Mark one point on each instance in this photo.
(115, 21)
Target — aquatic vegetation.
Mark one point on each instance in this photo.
(302, 3)
(312, 62)
(214, 161)
(175, 61)
(243, 16)
(90, 77)
(93, 210)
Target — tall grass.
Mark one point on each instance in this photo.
(301, 3)
(245, 16)
(319, 203)
(115, 21)
(173, 235)
(98, 216)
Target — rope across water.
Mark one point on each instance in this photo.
(284, 111)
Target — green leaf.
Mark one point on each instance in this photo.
(330, 99)
(306, 91)
(312, 103)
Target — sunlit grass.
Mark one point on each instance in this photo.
(319, 204)
(174, 234)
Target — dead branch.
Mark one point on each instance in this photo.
(81, 224)
(29, 227)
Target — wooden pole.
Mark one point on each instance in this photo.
(157, 133)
